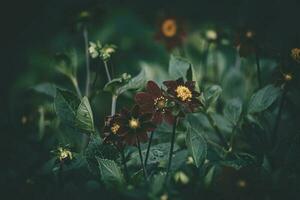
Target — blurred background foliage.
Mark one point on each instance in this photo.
(35, 32)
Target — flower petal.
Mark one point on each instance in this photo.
(143, 137)
(169, 118)
(157, 118)
(142, 98)
(135, 111)
(153, 89)
(170, 84)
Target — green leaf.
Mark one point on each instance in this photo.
(113, 85)
(96, 148)
(262, 99)
(45, 88)
(67, 63)
(66, 104)
(211, 94)
(196, 145)
(178, 67)
(157, 185)
(241, 160)
(209, 177)
(233, 110)
(84, 117)
(110, 172)
(158, 153)
(135, 83)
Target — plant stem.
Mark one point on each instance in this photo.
(113, 104)
(107, 71)
(172, 146)
(141, 157)
(258, 68)
(234, 130)
(278, 117)
(61, 176)
(124, 164)
(217, 130)
(75, 84)
(87, 59)
(148, 148)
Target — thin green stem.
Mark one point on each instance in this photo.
(217, 131)
(258, 69)
(124, 164)
(172, 146)
(278, 117)
(107, 71)
(149, 146)
(233, 133)
(87, 59)
(113, 104)
(75, 84)
(141, 157)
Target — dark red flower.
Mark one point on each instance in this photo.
(133, 124)
(170, 32)
(183, 93)
(245, 43)
(155, 101)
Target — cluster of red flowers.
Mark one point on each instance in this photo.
(153, 106)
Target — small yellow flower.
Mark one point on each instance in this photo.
(181, 177)
(183, 93)
(115, 127)
(164, 197)
(190, 160)
(84, 14)
(295, 54)
(241, 183)
(169, 28)
(250, 34)
(288, 77)
(134, 123)
(64, 153)
(211, 35)
(24, 120)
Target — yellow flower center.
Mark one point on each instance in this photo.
(183, 93)
(288, 77)
(169, 28)
(115, 127)
(295, 53)
(134, 123)
(160, 103)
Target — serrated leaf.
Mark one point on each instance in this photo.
(110, 172)
(96, 148)
(178, 67)
(135, 83)
(211, 94)
(66, 104)
(233, 110)
(196, 145)
(84, 117)
(263, 98)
